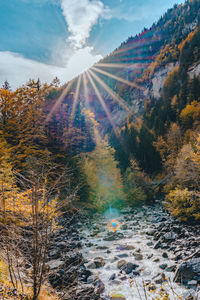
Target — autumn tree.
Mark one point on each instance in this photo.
(169, 146)
(29, 211)
(136, 185)
(102, 173)
(183, 200)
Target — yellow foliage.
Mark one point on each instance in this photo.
(188, 39)
(3, 271)
(184, 204)
(190, 113)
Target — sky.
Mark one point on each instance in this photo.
(48, 38)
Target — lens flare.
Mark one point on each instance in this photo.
(111, 213)
(60, 99)
(86, 91)
(111, 65)
(117, 98)
(117, 297)
(113, 225)
(132, 84)
(101, 100)
(76, 95)
(133, 66)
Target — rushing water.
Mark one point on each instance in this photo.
(130, 242)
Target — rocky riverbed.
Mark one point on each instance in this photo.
(149, 256)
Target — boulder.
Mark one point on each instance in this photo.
(55, 264)
(99, 262)
(99, 287)
(170, 236)
(130, 267)
(188, 270)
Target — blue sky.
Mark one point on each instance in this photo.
(48, 38)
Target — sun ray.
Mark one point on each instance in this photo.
(132, 84)
(76, 95)
(116, 97)
(60, 99)
(134, 60)
(86, 91)
(113, 65)
(102, 103)
(142, 42)
(134, 65)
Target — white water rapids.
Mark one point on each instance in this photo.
(133, 244)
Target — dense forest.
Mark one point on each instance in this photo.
(102, 140)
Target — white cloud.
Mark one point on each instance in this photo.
(66, 62)
(18, 70)
(81, 16)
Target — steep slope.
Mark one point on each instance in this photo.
(147, 58)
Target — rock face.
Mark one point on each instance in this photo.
(158, 80)
(194, 71)
(187, 271)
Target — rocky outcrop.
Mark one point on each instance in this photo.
(194, 71)
(158, 81)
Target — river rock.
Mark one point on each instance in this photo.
(55, 254)
(61, 245)
(129, 267)
(99, 286)
(192, 283)
(160, 278)
(55, 264)
(129, 247)
(122, 255)
(165, 255)
(149, 244)
(124, 227)
(99, 262)
(84, 293)
(90, 280)
(170, 236)
(91, 265)
(112, 277)
(188, 270)
(157, 245)
(189, 295)
(138, 256)
(150, 231)
(171, 268)
(163, 266)
(121, 263)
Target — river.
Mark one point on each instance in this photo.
(125, 258)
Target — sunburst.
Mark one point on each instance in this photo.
(76, 96)
(114, 96)
(132, 84)
(101, 100)
(60, 99)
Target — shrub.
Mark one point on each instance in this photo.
(184, 204)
